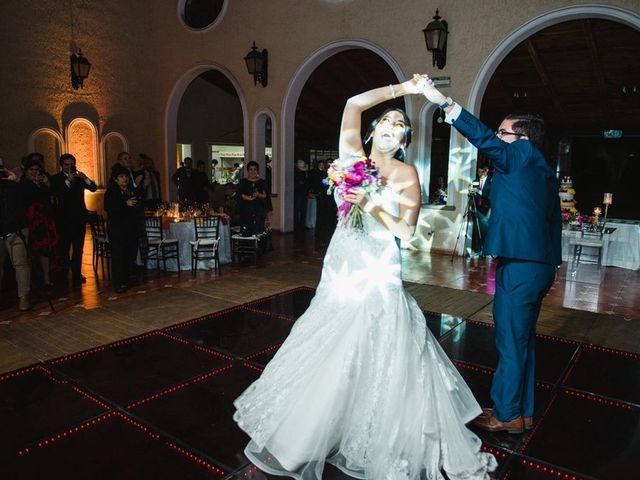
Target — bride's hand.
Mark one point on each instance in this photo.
(417, 84)
(355, 196)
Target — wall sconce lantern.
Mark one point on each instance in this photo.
(435, 35)
(80, 67)
(257, 65)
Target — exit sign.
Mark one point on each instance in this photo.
(441, 81)
(613, 134)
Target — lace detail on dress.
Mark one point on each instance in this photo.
(361, 380)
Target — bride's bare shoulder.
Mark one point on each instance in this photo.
(404, 170)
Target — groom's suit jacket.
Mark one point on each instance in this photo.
(525, 220)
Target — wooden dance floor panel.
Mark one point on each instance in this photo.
(159, 405)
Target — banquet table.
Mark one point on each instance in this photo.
(621, 248)
(185, 231)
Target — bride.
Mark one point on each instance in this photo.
(360, 382)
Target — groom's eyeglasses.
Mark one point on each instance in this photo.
(502, 132)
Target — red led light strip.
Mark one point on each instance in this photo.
(264, 350)
(91, 397)
(252, 367)
(200, 348)
(196, 459)
(23, 371)
(281, 316)
(601, 400)
(213, 373)
(538, 335)
(178, 387)
(67, 433)
(490, 371)
(494, 451)
(101, 348)
(536, 425)
(200, 319)
(551, 471)
(621, 353)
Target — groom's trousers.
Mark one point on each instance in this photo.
(520, 287)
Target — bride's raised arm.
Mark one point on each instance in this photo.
(350, 141)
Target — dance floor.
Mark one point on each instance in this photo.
(160, 405)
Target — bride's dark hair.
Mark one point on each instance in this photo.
(400, 153)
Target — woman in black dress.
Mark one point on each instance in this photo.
(43, 234)
(124, 213)
(252, 201)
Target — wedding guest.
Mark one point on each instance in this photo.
(43, 233)
(154, 193)
(123, 210)
(68, 187)
(525, 236)
(183, 179)
(300, 191)
(482, 207)
(252, 201)
(201, 183)
(14, 234)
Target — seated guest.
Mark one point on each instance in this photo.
(43, 233)
(14, 234)
(252, 201)
(123, 219)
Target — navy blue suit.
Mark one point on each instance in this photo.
(525, 231)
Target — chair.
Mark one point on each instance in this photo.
(592, 240)
(101, 246)
(245, 246)
(205, 246)
(158, 247)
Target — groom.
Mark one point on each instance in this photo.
(525, 236)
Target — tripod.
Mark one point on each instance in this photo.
(471, 210)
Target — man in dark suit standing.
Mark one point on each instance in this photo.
(480, 194)
(525, 235)
(68, 188)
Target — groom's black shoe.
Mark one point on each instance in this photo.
(492, 424)
(528, 421)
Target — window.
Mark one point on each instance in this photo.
(199, 14)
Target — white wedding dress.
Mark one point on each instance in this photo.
(360, 382)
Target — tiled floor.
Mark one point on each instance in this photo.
(159, 405)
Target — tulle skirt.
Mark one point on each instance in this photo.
(362, 384)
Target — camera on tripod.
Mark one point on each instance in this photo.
(474, 189)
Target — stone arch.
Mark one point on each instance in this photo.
(259, 131)
(48, 142)
(291, 97)
(82, 142)
(111, 145)
(171, 116)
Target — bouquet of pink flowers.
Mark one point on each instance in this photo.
(346, 177)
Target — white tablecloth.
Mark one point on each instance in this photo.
(620, 248)
(185, 232)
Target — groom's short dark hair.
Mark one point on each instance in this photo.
(529, 124)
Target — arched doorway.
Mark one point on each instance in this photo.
(209, 78)
(289, 110)
(464, 155)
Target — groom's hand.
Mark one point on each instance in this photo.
(432, 93)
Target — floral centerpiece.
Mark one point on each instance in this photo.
(347, 176)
